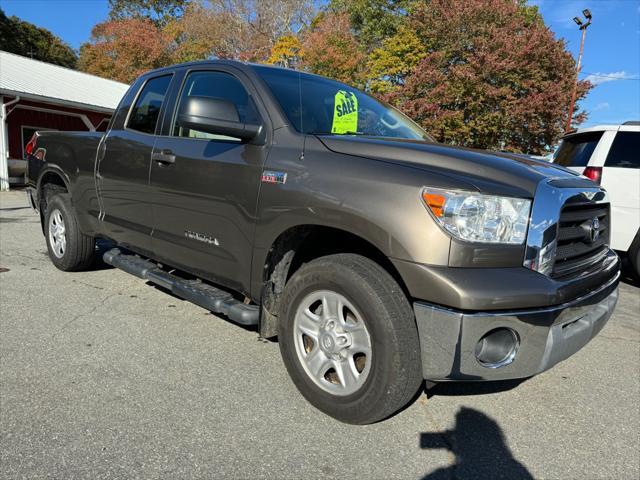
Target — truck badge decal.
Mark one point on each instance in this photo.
(270, 176)
(201, 237)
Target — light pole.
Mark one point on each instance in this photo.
(583, 26)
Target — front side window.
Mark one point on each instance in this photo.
(145, 112)
(317, 105)
(218, 85)
(625, 151)
(575, 151)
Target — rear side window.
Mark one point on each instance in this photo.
(145, 112)
(576, 151)
(625, 151)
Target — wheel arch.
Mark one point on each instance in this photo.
(51, 179)
(300, 244)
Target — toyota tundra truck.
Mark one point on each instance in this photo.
(316, 214)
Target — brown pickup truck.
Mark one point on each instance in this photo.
(308, 209)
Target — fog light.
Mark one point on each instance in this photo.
(497, 348)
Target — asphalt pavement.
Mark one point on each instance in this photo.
(104, 376)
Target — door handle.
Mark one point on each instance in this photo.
(165, 156)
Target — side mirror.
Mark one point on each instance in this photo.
(216, 116)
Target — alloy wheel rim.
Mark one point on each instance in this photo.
(332, 342)
(57, 234)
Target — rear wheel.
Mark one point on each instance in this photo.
(69, 248)
(349, 340)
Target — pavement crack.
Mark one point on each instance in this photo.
(87, 284)
(84, 314)
(20, 255)
(609, 337)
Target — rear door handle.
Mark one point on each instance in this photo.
(165, 156)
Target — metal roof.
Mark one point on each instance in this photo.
(42, 81)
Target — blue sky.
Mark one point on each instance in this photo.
(611, 58)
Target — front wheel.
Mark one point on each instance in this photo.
(69, 248)
(349, 340)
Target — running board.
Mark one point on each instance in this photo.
(195, 291)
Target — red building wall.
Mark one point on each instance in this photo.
(23, 114)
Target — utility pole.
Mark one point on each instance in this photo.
(583, 28)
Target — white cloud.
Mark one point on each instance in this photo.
(598, 78)
(601, 106)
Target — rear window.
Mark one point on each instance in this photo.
(576, 151)
(625, 151)
(145, 112)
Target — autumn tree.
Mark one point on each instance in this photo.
(24, 38)
(331, 49)
(256, 25)
(201, 33)
(124, 49)
(492, 76)
(160, 12)
(287, 52)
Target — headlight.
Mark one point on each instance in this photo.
(474, 217)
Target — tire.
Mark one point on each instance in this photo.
(69, 249)
(358, 390)
(634, 257)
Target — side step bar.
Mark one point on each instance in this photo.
(195, 291)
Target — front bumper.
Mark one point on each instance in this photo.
(546, 336)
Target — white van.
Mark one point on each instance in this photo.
(610, 155)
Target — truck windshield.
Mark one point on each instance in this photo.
(319, 106)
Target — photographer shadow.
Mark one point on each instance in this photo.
(479, 447)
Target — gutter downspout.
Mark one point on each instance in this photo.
(4, 144)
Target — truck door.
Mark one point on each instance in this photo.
(205, 186)
(122, 174)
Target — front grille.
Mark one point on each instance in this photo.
(576, 249)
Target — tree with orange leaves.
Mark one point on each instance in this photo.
(331, 49)
(124, 49)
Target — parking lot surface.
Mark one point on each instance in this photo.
(103, 376)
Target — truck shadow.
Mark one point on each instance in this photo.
(479, 447)
(455, 389)
(102, 246)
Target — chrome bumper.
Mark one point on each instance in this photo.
(547, 336)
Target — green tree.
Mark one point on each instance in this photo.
(390, 64)
(492, 76)
(372, 20)
(24, 38)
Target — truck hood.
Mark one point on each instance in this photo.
(490, 172)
